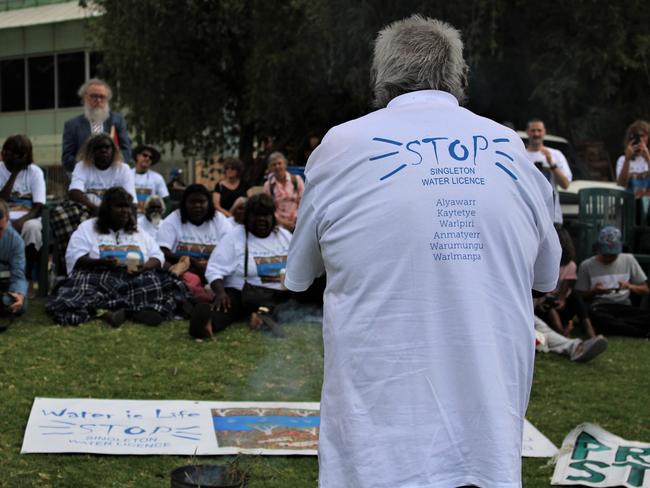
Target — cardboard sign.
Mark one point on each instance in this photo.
(591, 456)
(144, 427)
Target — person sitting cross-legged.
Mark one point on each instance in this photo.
(253, 253)
(115, 267)
(188, 235)
(99, 169)
(607, 281)
(13, 285)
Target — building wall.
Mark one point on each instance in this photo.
(44, 127)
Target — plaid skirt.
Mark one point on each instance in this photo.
(78, 297)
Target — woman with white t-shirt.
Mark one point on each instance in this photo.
(253, 253)
(117, 267)
(633, 167)
(188, 236)
(100, 168)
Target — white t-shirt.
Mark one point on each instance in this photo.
(147, 184)
(29, 188)
(639, 175)
(187, 239)
(558, 159)
(432, 227)
(266, 258)
(94, 182)
(86, 240)
(148, 227)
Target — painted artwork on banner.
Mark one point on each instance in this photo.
(147, 427)
(271, 428)
(591, 456)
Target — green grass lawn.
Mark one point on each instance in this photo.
(137, 362)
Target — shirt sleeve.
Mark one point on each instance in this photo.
(223, 259)
(38, 185)
(563, 164)
(167, 233)
(78, 179)
(152, 248)
(547, 264)
(161, 187)
(80, 244)
(305, 262)
(637, 276)
(17, 281)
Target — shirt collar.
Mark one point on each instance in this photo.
(423, 96)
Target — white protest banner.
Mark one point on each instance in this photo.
(145, 427)
(591, 456)
(535, 443)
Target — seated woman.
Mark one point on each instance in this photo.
(22, 186)
(100, 168)
(253, 253)
(188, 235)
(230, 188)
(115, 266)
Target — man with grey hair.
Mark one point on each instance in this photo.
(95, 95)
(433, 229)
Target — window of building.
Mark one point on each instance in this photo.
(12, 85)
(71, 75)
(41, 82)
(51, 81)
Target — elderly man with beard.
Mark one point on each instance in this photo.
(95, 95)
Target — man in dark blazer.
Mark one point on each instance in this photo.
(95, 95)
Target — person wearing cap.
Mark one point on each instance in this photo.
(147, 181)
(433, 228)
(607, 281)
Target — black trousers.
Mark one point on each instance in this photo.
(620, 319)
(237, 312)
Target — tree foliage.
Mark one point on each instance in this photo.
(207, 73)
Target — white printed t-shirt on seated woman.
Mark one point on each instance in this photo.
(94, 182)
(87, 241)
(266, 258)
(187, 239)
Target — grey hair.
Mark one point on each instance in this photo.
(418, 53)
(277, 155)
(83, 89)
(155, 198)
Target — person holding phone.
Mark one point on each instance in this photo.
(551, 162)
(633, 167)
(607, 281)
